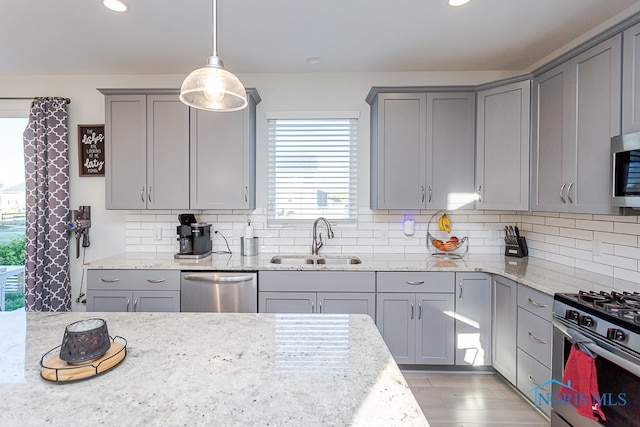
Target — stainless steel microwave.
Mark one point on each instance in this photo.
(625, 170)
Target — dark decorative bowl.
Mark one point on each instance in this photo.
(85, 341)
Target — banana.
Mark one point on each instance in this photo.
(444, 223)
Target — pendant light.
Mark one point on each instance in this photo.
(212, 87)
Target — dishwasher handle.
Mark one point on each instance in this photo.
(214, 278)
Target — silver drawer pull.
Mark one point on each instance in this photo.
(156, 280)
(217, 279)
(538, 340)
(416, 283)
(532, 381)
(536, 303)
(109, 280)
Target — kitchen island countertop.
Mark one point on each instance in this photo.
(211, 369)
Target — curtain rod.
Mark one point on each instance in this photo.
(67, 100)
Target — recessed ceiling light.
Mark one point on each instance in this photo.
(116, 5)
(313, 60)
(458, 2)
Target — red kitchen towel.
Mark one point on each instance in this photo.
(580, 384)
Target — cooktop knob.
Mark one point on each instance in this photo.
(616, 334)
(572, 315)
(587, 321)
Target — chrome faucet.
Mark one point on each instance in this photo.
(317, 238)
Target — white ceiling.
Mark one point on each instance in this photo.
(262, 36)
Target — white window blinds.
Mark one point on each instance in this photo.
(312, 169)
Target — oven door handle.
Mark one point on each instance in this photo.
(605, 350)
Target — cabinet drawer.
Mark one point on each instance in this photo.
(317, 281)
(532, 374)
(157, 280)
(416, 281)
(535, 301)
(534, 336)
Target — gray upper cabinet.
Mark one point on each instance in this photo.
(502, 147)
(576, 112)
(147, 150)
(223, 157)
(631, 80)
(422, 149)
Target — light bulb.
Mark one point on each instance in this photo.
(214, 90)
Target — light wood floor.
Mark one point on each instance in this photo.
(471, 400)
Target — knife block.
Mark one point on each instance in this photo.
(516, 247)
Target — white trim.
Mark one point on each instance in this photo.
(15, 108)
(275, 115)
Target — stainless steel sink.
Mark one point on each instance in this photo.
(314, 260)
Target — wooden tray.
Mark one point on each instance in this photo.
(57, 370)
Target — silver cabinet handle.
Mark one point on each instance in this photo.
(246, 191)
(422, 189)
(109, 280)
(142, 194)
(416, 283)
(460, 285)
(536, 303)
(480, 194)
(128, 302)
(429, 195)
(538, 340)
(156, 280)
(419, 310)
(568, 191)
(313, 307)
(532, 381)
(135, 304)
(149, 194)
(204, 277)
(561, 191)
(320, 306)
(411, 311)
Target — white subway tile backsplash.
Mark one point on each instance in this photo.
(594, 267)
(604, 226)
(561, 222)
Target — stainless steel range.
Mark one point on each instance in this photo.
(607, 324)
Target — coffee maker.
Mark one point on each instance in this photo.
(194, 238)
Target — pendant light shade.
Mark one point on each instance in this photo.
(212, 87)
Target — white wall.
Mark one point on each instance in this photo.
(279, 92)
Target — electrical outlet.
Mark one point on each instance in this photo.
(157, 233)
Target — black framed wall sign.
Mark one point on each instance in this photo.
(91, 150)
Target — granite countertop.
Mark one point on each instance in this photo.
(543, 275)
(211, 369)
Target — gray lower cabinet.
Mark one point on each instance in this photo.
(339, 292)
(146, 150)
(422, 149)
(133, 290)
(576, 111)
(502, 147)
(473, 319)
(504, 318)
(223, 157)
(415, 315)
(535, 333)
(631, 80)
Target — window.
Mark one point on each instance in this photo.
(312, 167)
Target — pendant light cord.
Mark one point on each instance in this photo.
(215, 27)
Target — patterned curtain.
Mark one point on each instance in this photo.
(47, 286)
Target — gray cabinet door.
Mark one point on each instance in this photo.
(551, 109)
(450, 161)
(396, 322)
(223, 158)
(434, 329)
(631, 80)
(597, 118)
(473, 319)
(502, 147)
(347, 303)
(125, 152)
(156, 301)
(167, 153)
(109, 300)
(286, 302)
(504, 317)
(398, 144)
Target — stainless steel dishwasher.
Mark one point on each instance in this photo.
(219, 292)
